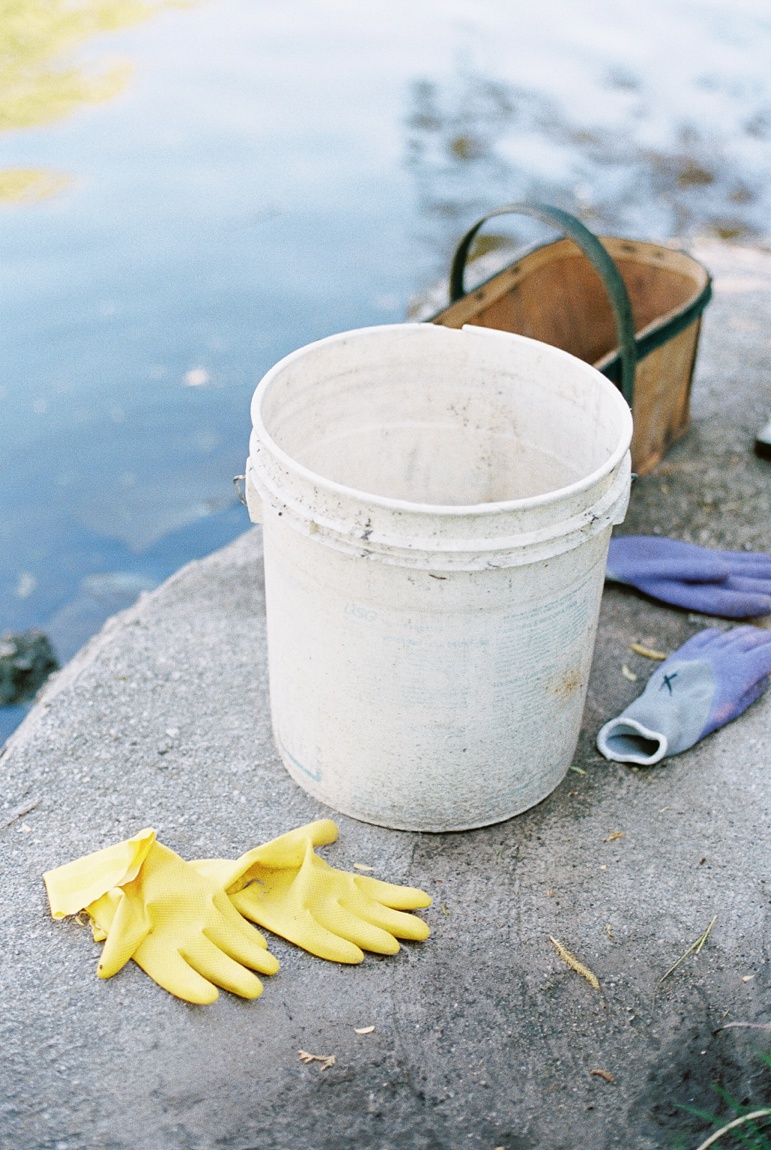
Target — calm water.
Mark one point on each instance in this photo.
(274, 172)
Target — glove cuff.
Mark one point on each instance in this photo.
(627, 740)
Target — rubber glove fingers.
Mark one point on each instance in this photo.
(193, 949)
(754, 563)
(396, 922)
(173, 973)
(239, 939)
(747, 638)
(741, 663)
(129, 927)
(195, 973)
(305, 929)
(656, 557)
(223, 954)
(217, 967)
(720, 598)
(331, 913)
(390, 894)
(734, 584)
(348, 923)
(329, 930)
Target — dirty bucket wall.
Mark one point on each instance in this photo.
(437, 506)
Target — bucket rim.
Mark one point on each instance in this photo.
(447, 510)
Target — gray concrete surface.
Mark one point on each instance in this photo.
(483, 1038)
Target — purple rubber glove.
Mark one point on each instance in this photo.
(734, 584)
(709, 681)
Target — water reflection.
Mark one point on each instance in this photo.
(41, 80)
(473, 141)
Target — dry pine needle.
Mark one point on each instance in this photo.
(694, 948)
(648, 652)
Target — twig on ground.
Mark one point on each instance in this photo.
(19, 813)
(695, 948)
(743, 1025)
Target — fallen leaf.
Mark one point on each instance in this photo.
(444, 908)
(574, 963)
(648, 652)
(604, 1074)
(578, 770)
(326, 1060)
(361, 866)
(630, 675)
(363, 1029)
(550, 893)
(609, 930)
(616, 835)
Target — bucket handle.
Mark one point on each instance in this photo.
(598, 257)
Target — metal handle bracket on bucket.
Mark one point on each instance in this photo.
(600, 260)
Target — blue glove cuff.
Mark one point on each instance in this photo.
(625, 740)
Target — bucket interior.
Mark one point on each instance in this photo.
(430, 415)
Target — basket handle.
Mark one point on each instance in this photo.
(598, 257)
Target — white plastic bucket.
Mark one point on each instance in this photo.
(437, 506)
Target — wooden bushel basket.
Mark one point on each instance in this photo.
(630, 308)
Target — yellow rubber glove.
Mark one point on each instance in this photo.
(73, 886)
(286, 888)
(178, 927)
